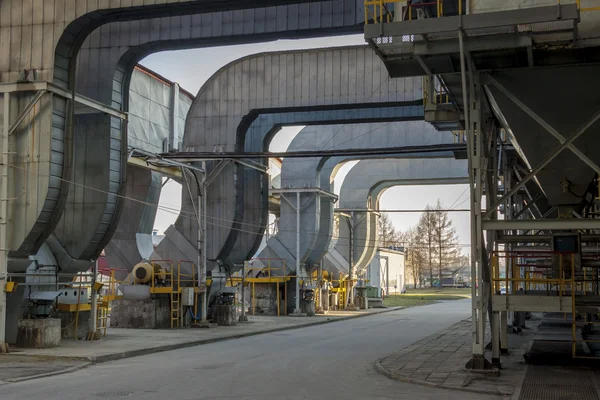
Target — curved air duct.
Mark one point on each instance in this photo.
(366, 182)
(315, 172)
(111, 49)
(132, 241)
(228, 104)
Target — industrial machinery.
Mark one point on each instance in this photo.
(226, 297)
(144, 273)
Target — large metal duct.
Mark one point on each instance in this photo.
(52, 40)
(132, 241)
(315, 172)
(365, 183)
(219, 119)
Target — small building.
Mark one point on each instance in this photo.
(386, 271)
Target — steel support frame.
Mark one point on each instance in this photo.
(565, 143)
(543, 123)
(478, 165)
(297, 206)
(38, 86)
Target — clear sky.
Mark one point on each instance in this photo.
(191, 68)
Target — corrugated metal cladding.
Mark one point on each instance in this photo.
(40, 35)
(284, 81)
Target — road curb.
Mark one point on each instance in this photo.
(47, 374)
(389, 374)
(159, 349)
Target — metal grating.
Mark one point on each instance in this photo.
(547, 383)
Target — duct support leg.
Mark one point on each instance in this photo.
(3, 222)
(319, 305)
(93, 329)
(297, 309)
(243, 317)
(203, 212)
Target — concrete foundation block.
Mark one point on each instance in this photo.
(297, 315)
(141, 314)
(39, 333)
(67, 323)
(308, 307)
(225, 315)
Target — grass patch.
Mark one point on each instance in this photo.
(422, 297)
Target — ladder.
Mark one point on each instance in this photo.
(102, 317)
(175, 306)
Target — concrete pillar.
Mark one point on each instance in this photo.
(496, 338)
(504, 332)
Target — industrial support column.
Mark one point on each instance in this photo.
(297, 310)
(93, 328)
(472, 109)
(243, 317)
(4, 222)
(203, 231)
(476, 178)
(350, 293)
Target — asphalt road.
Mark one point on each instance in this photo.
(332, 361)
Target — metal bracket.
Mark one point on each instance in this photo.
(38, 86)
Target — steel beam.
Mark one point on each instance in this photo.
(303, 190)
(26, 111)
(166, 170)
(47, 86)
(380, 151)
(568, 12)
(481, 43)
(541, 224)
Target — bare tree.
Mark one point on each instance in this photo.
(438, 242)
(415, 257)
(388, 235)
(426, 239)
(446, 242)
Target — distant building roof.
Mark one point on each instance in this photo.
(162, 79)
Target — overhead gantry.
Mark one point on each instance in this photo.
(518, 76)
